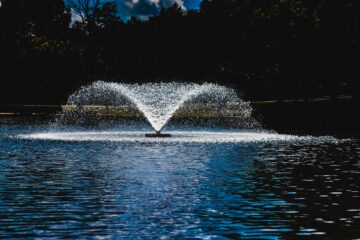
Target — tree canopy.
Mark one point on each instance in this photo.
(265, 49)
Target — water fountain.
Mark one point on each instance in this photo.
(158, 102)
(205, 113)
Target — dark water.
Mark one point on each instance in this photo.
(149, 190)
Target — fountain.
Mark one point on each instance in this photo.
(158, 102)
(200, 113)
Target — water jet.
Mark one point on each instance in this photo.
(159, 102)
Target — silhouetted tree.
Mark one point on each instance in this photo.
(35, 16)
(268, 49)
(86, 9)
(94, 14)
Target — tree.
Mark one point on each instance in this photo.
(84, 8)
(94, 14)
(35, 16)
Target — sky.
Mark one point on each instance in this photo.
(145, 8)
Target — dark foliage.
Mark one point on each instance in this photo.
(266, 49)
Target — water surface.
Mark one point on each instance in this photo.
(109, 189)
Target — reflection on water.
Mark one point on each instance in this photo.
(179, 190)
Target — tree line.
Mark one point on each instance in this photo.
(274, 49)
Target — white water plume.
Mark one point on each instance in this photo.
(157, 101)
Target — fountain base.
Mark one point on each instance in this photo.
(157, 135)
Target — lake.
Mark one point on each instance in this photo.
(306, 188)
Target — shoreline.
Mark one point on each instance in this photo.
(46, 109)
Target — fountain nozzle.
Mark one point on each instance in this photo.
(157, 134)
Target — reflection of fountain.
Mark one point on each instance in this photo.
(158, 102)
